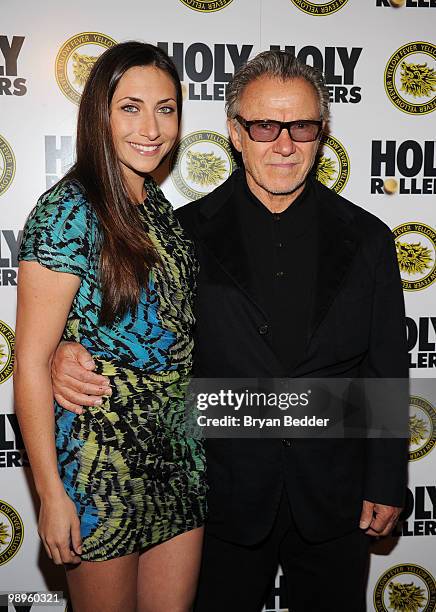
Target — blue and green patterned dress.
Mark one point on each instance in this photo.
(135, 476)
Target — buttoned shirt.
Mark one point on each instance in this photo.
(281, 251)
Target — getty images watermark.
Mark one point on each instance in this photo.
(229, 399)
(298, 408)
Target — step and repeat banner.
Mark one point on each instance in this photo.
(379, 58)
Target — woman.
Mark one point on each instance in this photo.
(105, 262)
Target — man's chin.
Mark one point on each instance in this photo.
(286, 189)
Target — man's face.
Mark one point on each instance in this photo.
(276, 171)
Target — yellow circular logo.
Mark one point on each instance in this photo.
(422, 426)
(206, 6)
(75, 60)
(410, 78)
(7, 165)
(322, 7)
(416, 253)
(405, 587)
(200, 163)
(11, 532)
(333, 166)
(7, 342)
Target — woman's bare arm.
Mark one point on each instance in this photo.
(44, 301)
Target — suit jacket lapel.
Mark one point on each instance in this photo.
(337, 246)
(221, 234)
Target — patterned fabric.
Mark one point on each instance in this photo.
(136, 478)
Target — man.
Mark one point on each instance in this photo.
(295, 282)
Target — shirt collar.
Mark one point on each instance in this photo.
(291, 210)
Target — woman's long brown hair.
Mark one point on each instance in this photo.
(127, 254)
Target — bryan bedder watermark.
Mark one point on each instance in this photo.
(303, 408)
(232, 399)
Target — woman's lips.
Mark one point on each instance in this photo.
(145, 149)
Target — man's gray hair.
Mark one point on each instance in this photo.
(277, 64)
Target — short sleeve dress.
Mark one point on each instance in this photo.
(135, 476)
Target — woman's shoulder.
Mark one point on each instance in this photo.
(60, 232)
(63, 205)
(66, 195)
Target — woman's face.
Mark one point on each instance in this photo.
(143, 119)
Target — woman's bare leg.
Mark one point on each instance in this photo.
(168, 574)
(104, 585)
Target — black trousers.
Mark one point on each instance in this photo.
(326, 577)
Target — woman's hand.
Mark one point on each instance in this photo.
(59, 529)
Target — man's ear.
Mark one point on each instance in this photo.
(324, 127)
(234, 134)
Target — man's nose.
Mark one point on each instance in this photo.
(284, 143)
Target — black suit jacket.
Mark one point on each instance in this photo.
(357, 329)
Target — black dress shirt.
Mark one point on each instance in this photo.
(281, 251)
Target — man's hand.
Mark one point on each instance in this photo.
(378, 519)
(74, 382)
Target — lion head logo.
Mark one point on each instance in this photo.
(4, 535)
(406, 597)
(413, 258)
(82, 66)
(205, 168)
(326, 170)
(418, 429)
(417, 80)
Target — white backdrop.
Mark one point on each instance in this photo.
(380, 65)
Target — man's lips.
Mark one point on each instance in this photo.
(286, 165)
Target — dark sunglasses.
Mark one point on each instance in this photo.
(267, 130)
